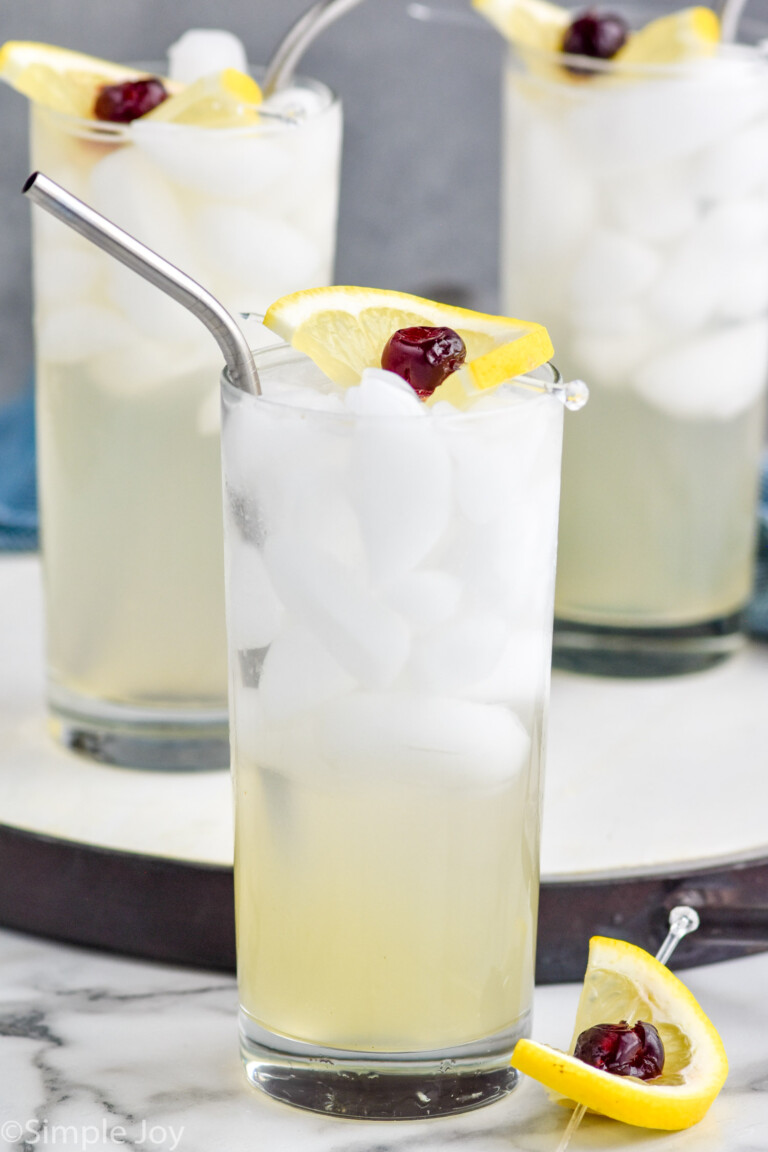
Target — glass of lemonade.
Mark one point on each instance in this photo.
(128, 411)
(642, 189)
(390, 583)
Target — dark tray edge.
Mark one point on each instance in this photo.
(182, 912)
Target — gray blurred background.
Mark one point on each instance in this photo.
(419, 195)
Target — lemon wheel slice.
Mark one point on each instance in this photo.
(344, 330)
(223, 100)
(57, 77)
(623, 982)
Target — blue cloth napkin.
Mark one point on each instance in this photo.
(18, 490)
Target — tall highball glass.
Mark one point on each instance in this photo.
(643, 193)
(128, 408)
(390, 583)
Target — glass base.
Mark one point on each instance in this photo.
(645, 652)
(382, 1086)
(136, 738)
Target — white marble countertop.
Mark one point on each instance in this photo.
(102, 1053)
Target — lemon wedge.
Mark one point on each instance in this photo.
(533, 24)
(57, 77)
(682, 35)
(540, 26)
(344, 330)
(623, 982)
(222, 100)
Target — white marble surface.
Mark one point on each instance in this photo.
(101, 1053)
(683, 757)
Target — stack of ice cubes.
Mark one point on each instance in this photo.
(637, 228)
(249, 213)
(391, 577)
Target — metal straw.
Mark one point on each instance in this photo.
(682, 920)
(294, 44)
(164, 275)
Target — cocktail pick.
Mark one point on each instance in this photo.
(682, 920)
(160, 272)
(294, 44)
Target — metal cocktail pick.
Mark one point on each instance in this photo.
(294, 44)
(160, 272)
(682, 920)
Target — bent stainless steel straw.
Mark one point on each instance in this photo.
(160, 272)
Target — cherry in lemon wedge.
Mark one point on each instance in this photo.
(625, 983)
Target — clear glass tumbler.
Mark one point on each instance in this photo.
(643, 193)
(390, 583)
(128, 414)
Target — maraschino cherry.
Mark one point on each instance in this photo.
(424, 357)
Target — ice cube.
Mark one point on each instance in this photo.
(521, 674)
(399, 480)
(295, 103)
(145, 364)
(607, 359)
(252, 248)
(203, 51)
(298, 674)
(383, 393)
(699, 277)
(423, 741)
(152, 312)
(744, 288)
(81, 331)
(254, 612)
(685, 295)
(625, 318)
(612, 268)
(734, 167)
(738, 223)
(65, 274)
(484, 471)
(292, 469)
(132, 192)
(220, 165)
(629, 127)
(553, 194)
(450, 658)
(655, 206)
(368, 638)
(425, 597)
(716, 376)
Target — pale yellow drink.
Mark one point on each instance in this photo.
(404, 912)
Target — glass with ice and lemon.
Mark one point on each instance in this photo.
(241, 194)
(390, 558)
(636, 227)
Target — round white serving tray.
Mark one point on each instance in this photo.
(651, 785)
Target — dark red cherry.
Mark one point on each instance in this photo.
(122, 103)
(424, 356)
(624, 1051)
(596, 34)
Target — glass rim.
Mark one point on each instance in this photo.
(576, 69)
(105, 132)
(529, 387)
